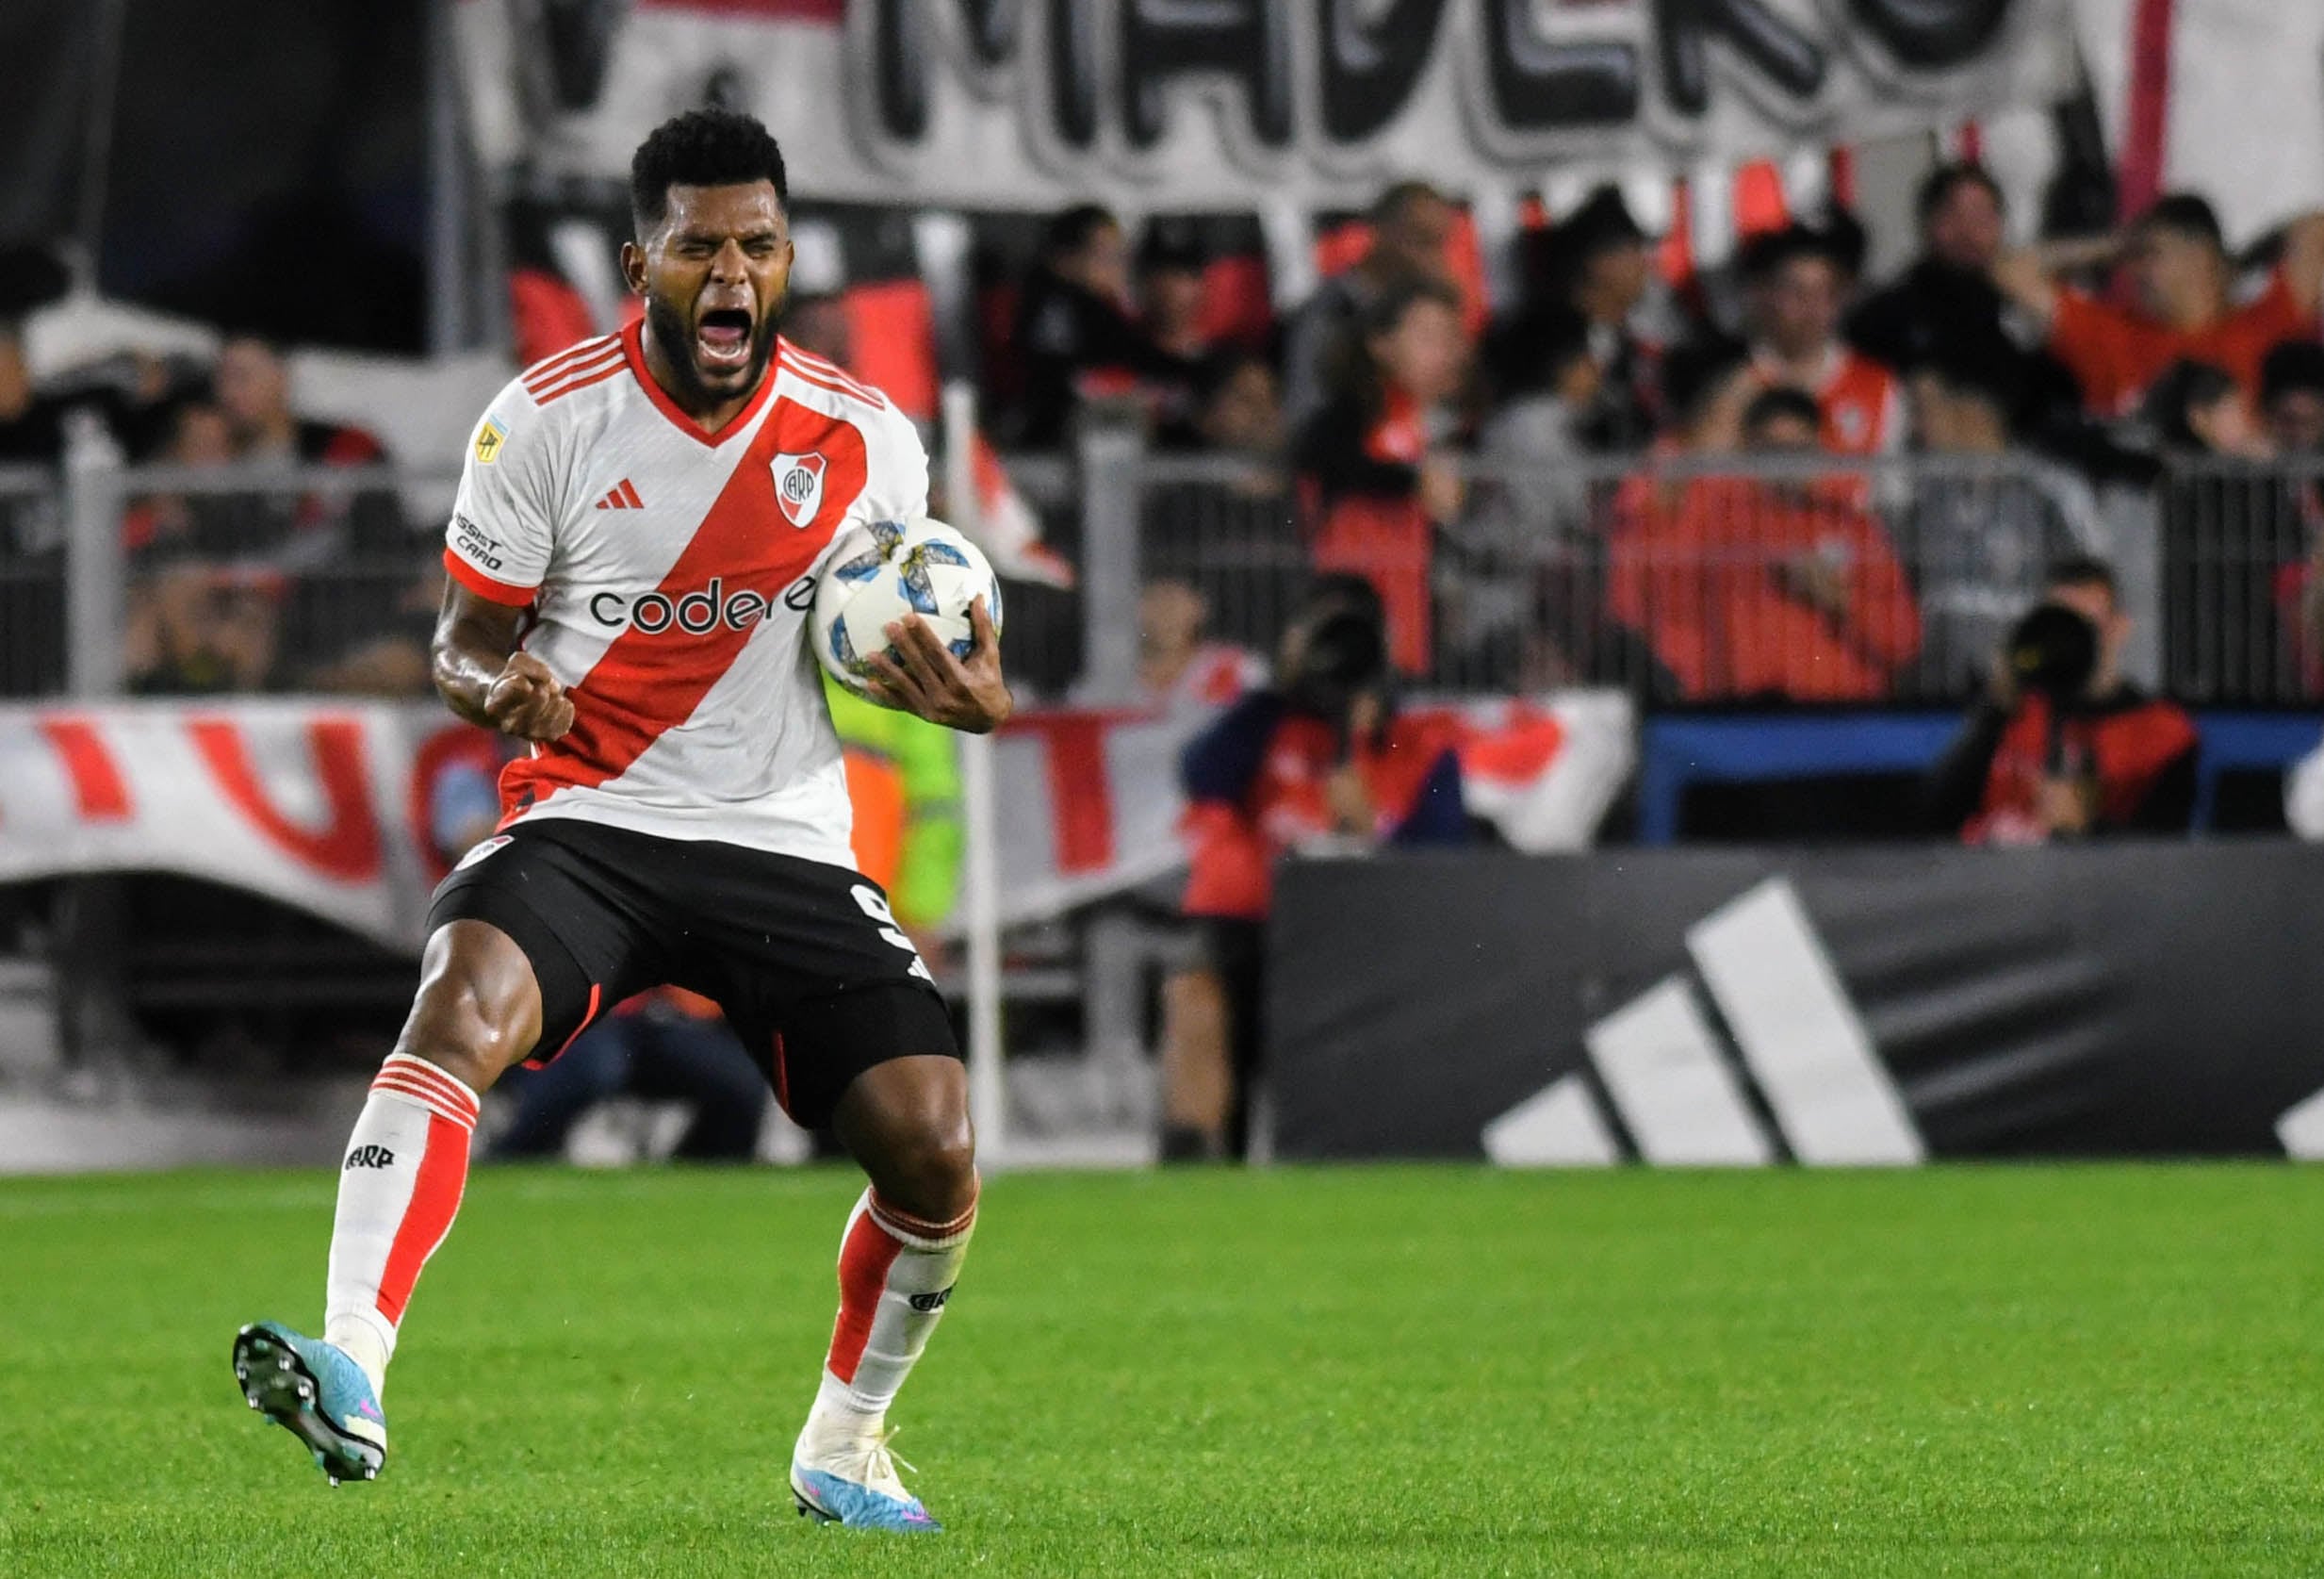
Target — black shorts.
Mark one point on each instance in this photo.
(804, 957)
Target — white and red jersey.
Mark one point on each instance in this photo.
(1861, 402)
(671, 577)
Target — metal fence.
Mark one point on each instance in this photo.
(1785, 581)
(2240, 564)
(190, 581)
(1789, 580)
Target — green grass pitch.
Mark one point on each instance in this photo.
(2068, 1371)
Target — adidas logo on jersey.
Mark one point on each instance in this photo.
(623, 497)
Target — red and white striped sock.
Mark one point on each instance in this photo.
(895, 1272)
(399, 1185)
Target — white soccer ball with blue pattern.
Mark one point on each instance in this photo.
(879, 572)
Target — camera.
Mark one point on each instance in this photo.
(2053, 653)
(1344, 655)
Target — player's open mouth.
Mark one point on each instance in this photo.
(722, 339)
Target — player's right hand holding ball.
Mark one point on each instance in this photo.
(527, 701)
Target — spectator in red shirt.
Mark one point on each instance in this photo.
(1320, 759)
(2181, 280)
(1751, 590)
(1797, 282)
(2062, 747)
(1374, 464)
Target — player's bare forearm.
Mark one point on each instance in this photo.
(482, 676)
(473, 640)
(922, 676)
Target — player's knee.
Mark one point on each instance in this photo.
(933, 1173)
(462, 1032)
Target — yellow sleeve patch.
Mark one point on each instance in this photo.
(488, 440)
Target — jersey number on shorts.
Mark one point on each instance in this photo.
(875, 904)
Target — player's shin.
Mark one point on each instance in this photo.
(400, 1183)
(895, 1272)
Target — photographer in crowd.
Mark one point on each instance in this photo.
(2062, 747)
(1321, 762)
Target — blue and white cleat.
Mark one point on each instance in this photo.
(851, 1482)
(313, 1390)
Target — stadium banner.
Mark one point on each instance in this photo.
(1739, 1007)
(1033, 104)
(340, 811)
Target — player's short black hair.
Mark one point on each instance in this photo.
(1939, 185)
(2185, 214)
(1769, 405)
(702, 148)
(2294, 368)
(2082, 569)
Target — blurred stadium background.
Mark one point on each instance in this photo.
(1492, 307)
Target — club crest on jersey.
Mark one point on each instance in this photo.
(798, 487)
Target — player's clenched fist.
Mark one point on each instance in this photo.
(527, 701)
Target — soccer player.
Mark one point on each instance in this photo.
(634, 553)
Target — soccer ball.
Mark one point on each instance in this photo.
(879, 571)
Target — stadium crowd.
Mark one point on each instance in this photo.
(1484, 471)
(1547, 495)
